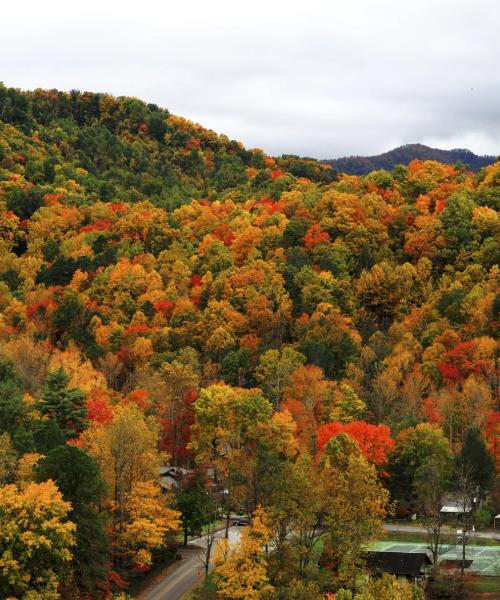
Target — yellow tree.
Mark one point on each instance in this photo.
(126, 451)
(150, 522)
(171, 389)
(241, 571)
(80, 370)
(8, 459)
(227, 422)
(35, 540)
(355, 504)
(307, 396)
(25, 468)
(274, 370)
(348, 406)
(386, 586)
(226, 419)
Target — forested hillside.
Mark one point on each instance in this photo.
(167, 296)
(362, 165)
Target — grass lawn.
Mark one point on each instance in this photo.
(482, 585)
(220, 524)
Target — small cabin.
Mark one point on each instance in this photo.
(455, 508)
(170, 477)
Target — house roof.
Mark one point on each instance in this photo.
(397, 563)
(448, 508)
(168, 482)
(456, 504)
(456, 507)
(172, 471)
(170, 476)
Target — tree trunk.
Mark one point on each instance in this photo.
(207, 561)
(228, 518)
(462, 566)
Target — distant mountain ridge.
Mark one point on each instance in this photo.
(361, 165)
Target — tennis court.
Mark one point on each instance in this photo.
(485, 559)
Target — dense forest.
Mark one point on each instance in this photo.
(318, 350)
(362, 165)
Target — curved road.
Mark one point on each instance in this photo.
(182, 576)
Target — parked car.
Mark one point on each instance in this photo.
(241, 522)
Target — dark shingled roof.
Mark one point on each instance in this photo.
(397, 563)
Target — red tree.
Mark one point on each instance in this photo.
(315, 236)
(176, 433)
(374, 441)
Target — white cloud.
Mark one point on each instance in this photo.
(322, 78)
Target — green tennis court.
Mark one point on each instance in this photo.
(485, 559)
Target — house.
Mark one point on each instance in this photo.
(170, 477)
(414, 566)
(455, 507)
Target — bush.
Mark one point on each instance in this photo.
(483, 517)
(447, 588)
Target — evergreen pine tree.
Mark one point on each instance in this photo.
(475, 460)
(63, 405)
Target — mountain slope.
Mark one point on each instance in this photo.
(123, 147)
(163, 288)
(361, 165)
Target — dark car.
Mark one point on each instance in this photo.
(241, 522)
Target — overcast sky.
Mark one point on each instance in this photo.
(322, 78)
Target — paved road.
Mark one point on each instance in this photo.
(180, 578)
(492, 534)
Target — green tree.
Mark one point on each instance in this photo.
(78, 478)
(14, 415)
(60, 272)
(415, 447)
(236, 367)
(355, 504)
(71, 320)
(195, 503)
(12, 409)
(8, 459)
(227, 422)
(63, 405)
(24, 202)
(348, 406)
(45, 435)
(432, 482)
(457, 221)
(274, 370)
(295, 231)
(475, 459)
(296, 509)
(230, 172)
